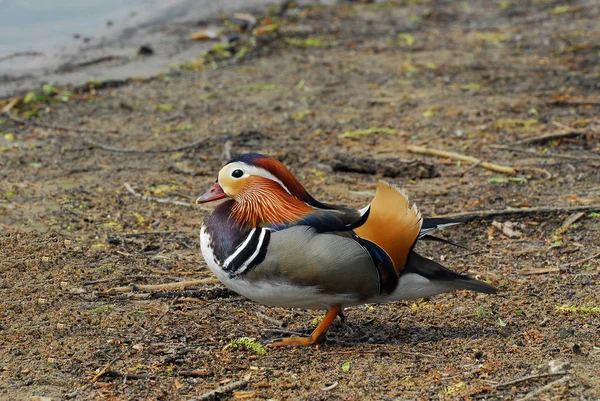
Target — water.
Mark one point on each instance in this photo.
(39, 25)
(75, 41)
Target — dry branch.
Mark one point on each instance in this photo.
(129, 277)
(526, 378)
(532, 272)
(153, 199)
(109, 148)
(457, 156)
(550, 137)
(192, 145)
(580, 262)
(6, 109)
(488, 214)
(144, 233)
(547, 154)
(542, 389)
(7, 114)
(570, 221)
(220, 391)
(180, 285)
(584, 102)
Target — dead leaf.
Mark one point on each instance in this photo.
(507, 228)
(205, 34)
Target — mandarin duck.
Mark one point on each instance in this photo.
(272, 242)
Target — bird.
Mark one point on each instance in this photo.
(272, 242)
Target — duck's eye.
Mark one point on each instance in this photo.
(237, 173)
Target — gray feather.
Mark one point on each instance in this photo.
(333, 263)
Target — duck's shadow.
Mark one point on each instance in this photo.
(350, 333)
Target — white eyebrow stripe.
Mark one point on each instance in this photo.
(253, 170)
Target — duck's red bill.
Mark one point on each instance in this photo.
(214, 193)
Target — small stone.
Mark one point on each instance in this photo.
(565, 332)
(145, 50)
(45, 259)
(558, 365)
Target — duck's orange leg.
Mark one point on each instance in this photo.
(317, 335)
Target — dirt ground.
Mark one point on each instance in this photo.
(481, 78)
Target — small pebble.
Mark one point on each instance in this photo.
(145, 50)
(558, 365)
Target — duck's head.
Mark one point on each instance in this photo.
(250, 175)
(263, 191)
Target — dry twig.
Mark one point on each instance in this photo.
(220, 391)
(192, 145)
(549, 137)
(487, 214)
(584, 102)
(144, 233)
(180, 285)
(532, 272)
(7, 114)
(465, 158)
(570, 221)
(129, 277)
(542, 389)
(547, 154)
(580, 262)
(153, 199)
(6, 109)
(526, 378)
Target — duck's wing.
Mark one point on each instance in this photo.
(339, 225)
(327, 220)
(392, 224)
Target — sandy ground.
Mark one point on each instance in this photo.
(481, 78)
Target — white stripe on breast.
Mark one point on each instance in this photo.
(239, 249)
(245, 265)
(275, 293)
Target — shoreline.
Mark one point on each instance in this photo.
(116, 55)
